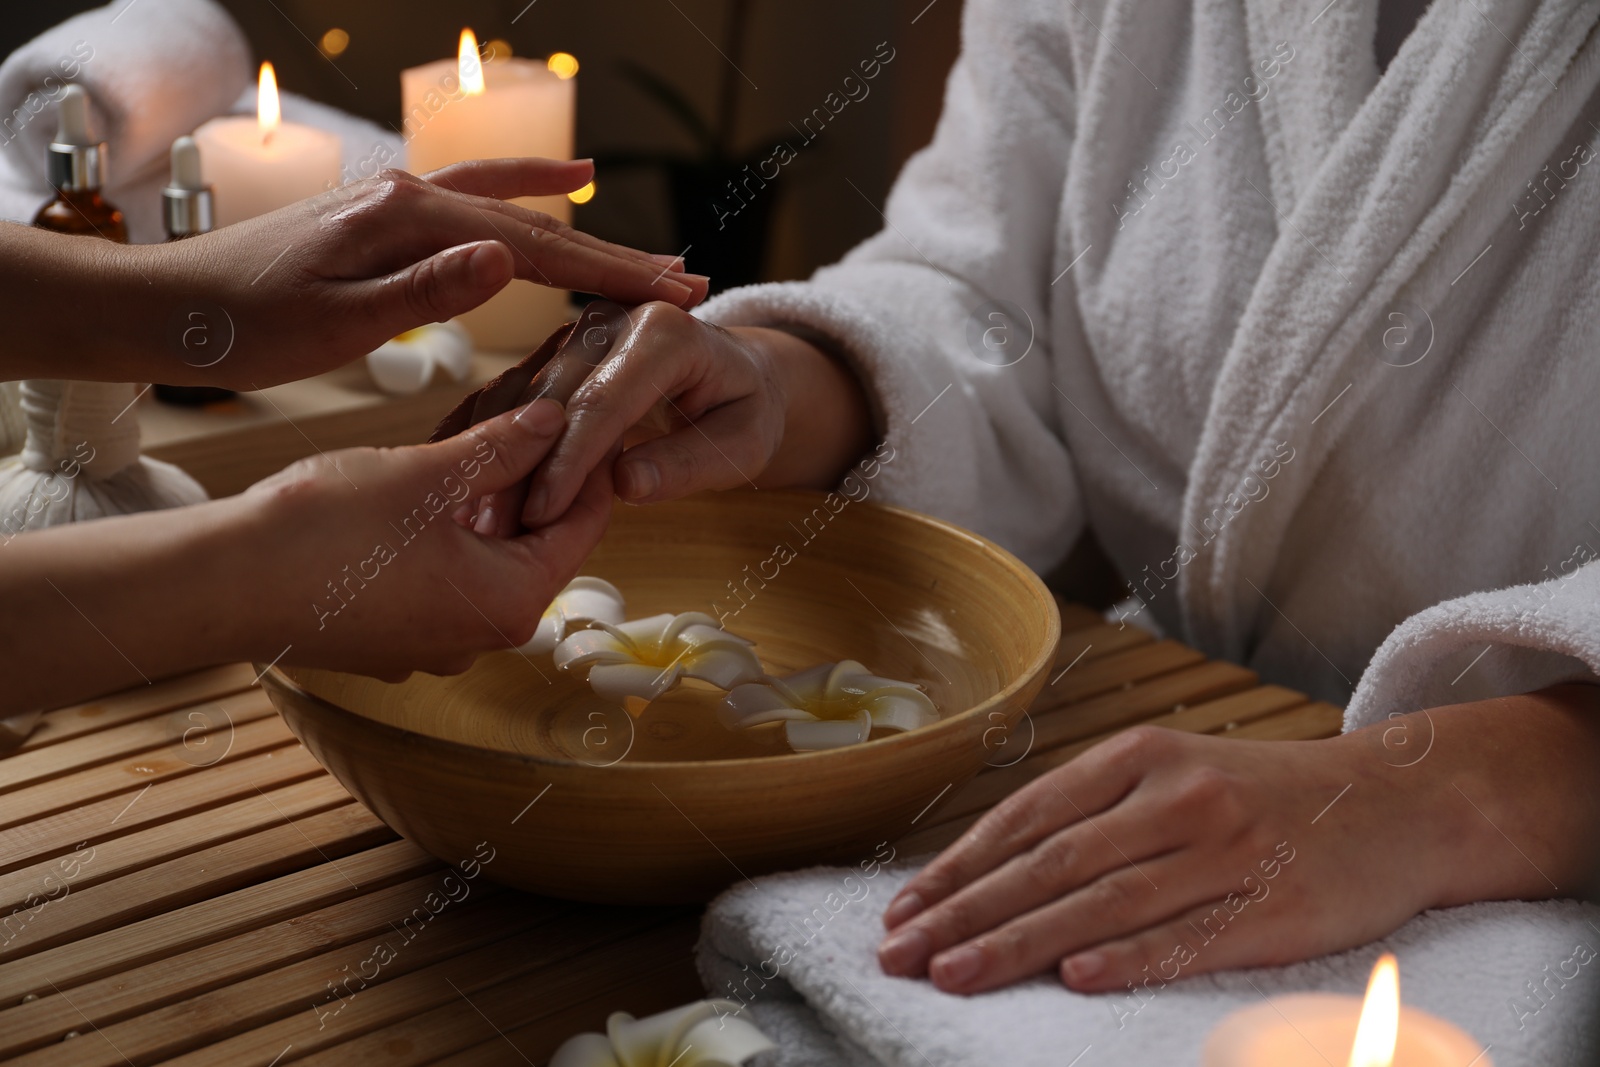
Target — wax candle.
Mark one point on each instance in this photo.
(1318, 1029)
(261, 164)
(464, 108)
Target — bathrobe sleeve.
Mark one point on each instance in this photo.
(971, 222)
(1489, 644)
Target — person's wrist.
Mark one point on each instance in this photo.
(826, 419)
(226, 551)
(1398, 781)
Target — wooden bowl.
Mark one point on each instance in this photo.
(578, 799)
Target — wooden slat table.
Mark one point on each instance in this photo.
(181, 883)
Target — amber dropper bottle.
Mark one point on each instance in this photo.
(76, 167)
(187, 209)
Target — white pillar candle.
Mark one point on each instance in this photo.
(261, 164)
(1318, 1029)
(463, 108)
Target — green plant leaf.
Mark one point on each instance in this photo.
(674, 102)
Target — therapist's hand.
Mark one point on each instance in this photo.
(694, 406)
(1158, 854)
(314, 285)
(370, 571)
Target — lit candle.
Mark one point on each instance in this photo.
(463, 108)
(261, 164)
(1318, 1029)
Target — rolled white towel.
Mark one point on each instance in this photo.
(154, 69)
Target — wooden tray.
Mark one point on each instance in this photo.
(181, 883)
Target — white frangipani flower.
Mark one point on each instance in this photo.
(584, 601)
(707, 1033)
(829, 706)
(634, 662)
(405, 364)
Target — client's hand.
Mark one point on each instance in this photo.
(316, 284)
(696, 406)
(1158, 854)
(370, 572)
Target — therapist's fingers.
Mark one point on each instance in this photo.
(584, 347)
(500, 452)
(390, 221)
(555, 253)
(506, 179)
(559, 548)
(437, 288)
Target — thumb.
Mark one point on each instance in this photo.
(499, 452)
(444, 285)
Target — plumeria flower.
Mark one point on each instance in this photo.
(634, 662)
(707, 1033)
(582, 602)
(406, 363)
(828, 706)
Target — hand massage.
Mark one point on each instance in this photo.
(1121, 587)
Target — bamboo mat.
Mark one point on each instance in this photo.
(181, 883)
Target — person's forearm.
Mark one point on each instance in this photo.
(1507, 787)
(99, 606)
(80, 308)
(827, 421)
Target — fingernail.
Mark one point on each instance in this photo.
(485, 523)
(640, 478)
(542, 416)
(483, 264)
(1082, 968)
(905, 952)
(695, 277)
(902, 908)
(956, 967)
(533, 511)
(665, 260)
(682, 292)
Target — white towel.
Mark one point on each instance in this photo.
(1476, 966)
(154, 69)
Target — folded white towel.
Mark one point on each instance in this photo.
(154, 69)
(1523, 979)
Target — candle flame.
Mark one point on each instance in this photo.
(268, 113)
(1379, 1027)
(562, 64)
(470, 64)
(583, 194)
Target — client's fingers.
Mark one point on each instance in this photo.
(719, 451)
(501, 393)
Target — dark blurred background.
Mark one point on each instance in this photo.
(792, 56)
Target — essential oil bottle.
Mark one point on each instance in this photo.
(187, 208)
(77, 168)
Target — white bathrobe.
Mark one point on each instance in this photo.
(1314, 353)
(1313, 350)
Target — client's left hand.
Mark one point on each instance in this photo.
(1159, 854)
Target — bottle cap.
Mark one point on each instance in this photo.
(187, 202)
(73, 162)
